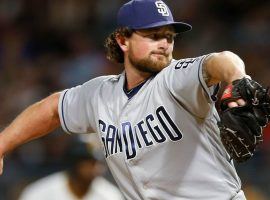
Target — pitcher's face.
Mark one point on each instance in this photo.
(150, 50)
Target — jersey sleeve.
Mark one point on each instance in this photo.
(185, 82)
(76, 109)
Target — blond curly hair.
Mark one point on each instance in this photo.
(113, 51)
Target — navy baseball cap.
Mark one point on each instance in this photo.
(144, 14)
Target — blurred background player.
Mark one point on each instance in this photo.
(81, 180)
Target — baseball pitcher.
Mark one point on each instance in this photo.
(161, 134)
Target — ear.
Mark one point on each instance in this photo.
(122, 42)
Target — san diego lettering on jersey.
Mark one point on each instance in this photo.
(128, 138)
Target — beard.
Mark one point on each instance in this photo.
(149, 64)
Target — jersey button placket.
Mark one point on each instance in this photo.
(146, 185)
(134, 162)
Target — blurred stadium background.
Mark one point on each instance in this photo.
(50, 45)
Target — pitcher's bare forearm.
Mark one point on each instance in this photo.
(37, 120)
(224, 66)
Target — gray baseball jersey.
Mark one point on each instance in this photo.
(162, 143)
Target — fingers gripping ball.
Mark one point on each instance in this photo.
(241, 127)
